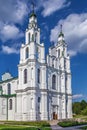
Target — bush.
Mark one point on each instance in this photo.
(71, 123)
(84, 128)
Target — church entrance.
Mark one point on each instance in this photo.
(55, 116)
(55, 111)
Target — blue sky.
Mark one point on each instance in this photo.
(72, 14)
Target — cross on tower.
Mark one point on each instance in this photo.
(33, 6)
(61, 26)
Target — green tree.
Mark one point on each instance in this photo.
(83, 104)
(80, 107)
(76, 107)
(84, 111)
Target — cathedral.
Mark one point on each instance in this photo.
(42, 90)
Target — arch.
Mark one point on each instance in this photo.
(9, 88)
(38, 75)
(25, 76)
(54, 82)
(10, 104)
(27, 52)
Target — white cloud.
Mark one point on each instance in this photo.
(21, 10)
(77, 96)
(75, 31)
(12, 11)
(72, 53)
(51, 6)
(9, 50)
(10, 32)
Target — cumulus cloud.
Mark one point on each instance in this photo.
(51, 6)
(77, 96)
(12, 10)
(9, 50)
(75, 31)
(10, 32)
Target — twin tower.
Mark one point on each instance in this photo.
(42, 90)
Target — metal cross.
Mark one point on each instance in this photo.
(61, 26)
(33, 5)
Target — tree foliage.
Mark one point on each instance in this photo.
(80, 107)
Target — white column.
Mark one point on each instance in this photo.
(69, 107)
(18, 115)
(63, 107)
(33, 107)
(44, 111)
(43, 78)
(69, 90)
(59, 107)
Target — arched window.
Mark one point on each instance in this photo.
(0, 90)
(38, 75)
(32, 37)
(59, 53)
(25, 76)
(53, 82)
(29, 37)
(27, 52)
(53, 62)
(36, 37)
(9, 88)
(10, 104)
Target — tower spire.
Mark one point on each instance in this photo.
(61, 32)
(33, 10)
(61, 35)
(61, 26)
(33, 6)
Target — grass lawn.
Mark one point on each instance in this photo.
(17, 125)
(82, 117)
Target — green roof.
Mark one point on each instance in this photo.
(61, 34)
(33, 14)
(8, 96)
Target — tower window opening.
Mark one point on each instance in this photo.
(32, 37)
(29, 37)
(10, 104)
(9, 88)
(59, 53)
(27, 52)
(38, 75)
(53, 82)
(25, 76)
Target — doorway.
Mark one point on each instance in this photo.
(55, 117)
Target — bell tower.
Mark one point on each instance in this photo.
(32, 32)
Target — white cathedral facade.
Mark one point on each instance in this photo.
(42, 90)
